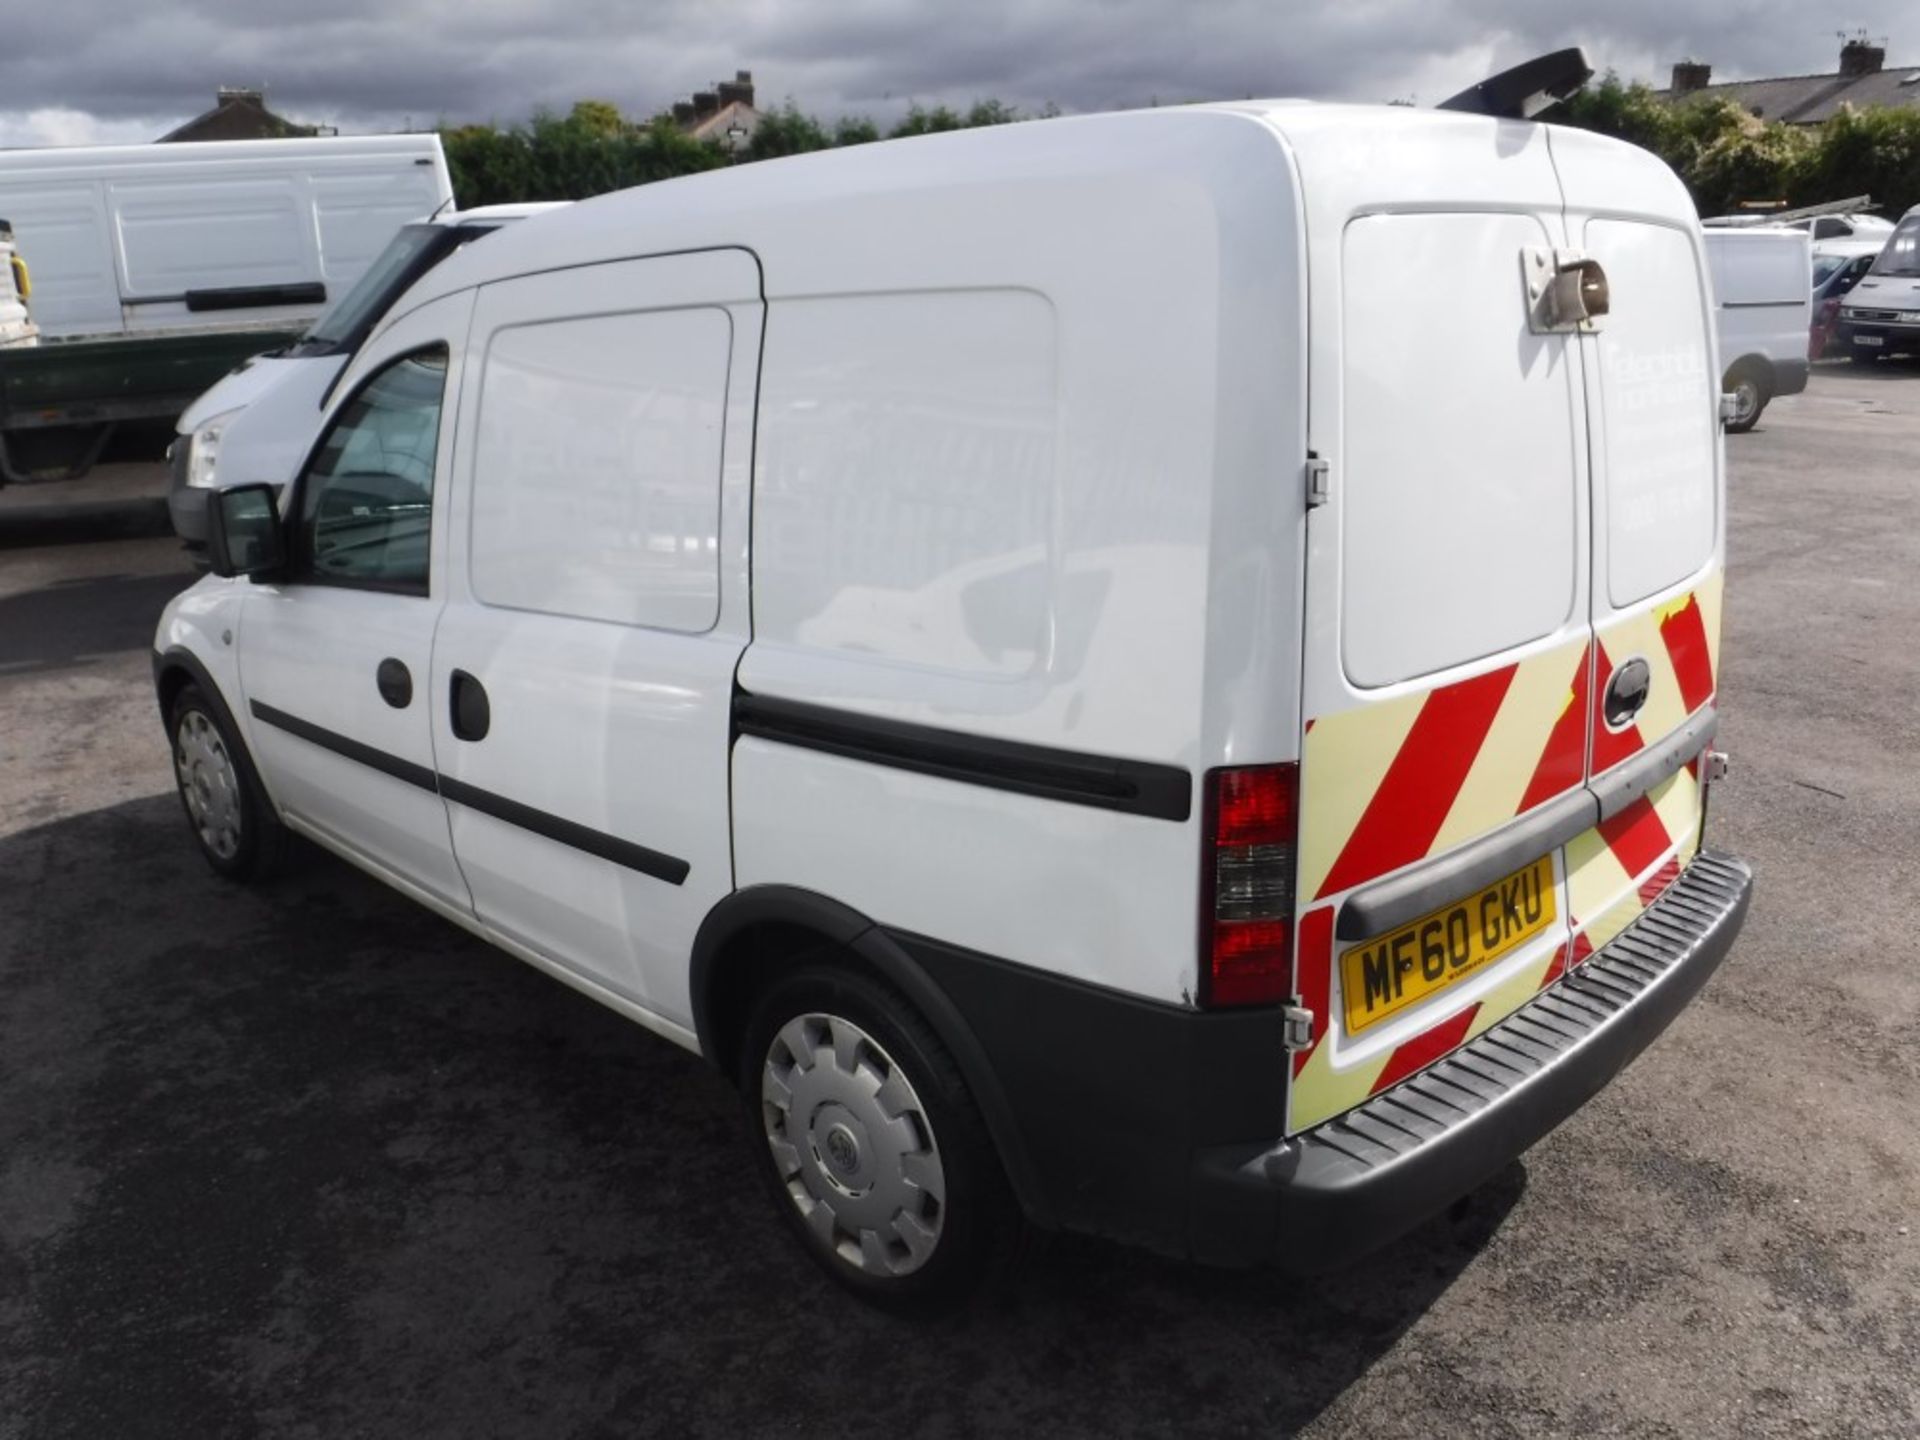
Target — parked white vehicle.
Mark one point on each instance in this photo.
(1881, 315)
(255, 424)
(210, 235)
(1763, 311)
(1151, 673)
(16, 322)
(1831, 225)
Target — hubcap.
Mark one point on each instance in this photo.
(852, 1144)
(1746, 399)
(209, 784)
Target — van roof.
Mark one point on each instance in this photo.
(830, 222)
(480, 214)
(67, 157)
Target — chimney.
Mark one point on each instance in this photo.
(739, 89)
(1861, 57)
(1689, 76)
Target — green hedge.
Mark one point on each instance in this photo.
(1727, 156)
(593, 148)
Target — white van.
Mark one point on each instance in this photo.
(1151, 673)
(209, 236)
(256, 423)
(1763, 310)
(1881, 315)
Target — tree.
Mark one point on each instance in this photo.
(1728, 157)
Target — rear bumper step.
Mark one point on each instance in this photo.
(1333, 1193)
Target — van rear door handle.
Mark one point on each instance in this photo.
(467, 707)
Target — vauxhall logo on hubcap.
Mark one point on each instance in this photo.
(841, 1151)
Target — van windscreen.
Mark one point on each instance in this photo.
(412, 252)
(1902, 255)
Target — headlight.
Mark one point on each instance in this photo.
(203, 450)
(1910, 317)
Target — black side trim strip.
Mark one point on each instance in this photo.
(580, 837)
(247, 297)
(1135, 787)
(566, 832)
(1381, 906)
(326, 739)
(1629, 780)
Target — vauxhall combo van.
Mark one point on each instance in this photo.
(1153, 674)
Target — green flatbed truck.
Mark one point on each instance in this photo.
(60, 400)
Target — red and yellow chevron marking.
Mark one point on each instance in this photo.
(1621, 866)
(1680, 641)
(1321, 1091)
(1386, 784)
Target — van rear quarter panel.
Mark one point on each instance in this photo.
(1039, 482)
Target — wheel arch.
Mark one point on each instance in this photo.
(1757, 365)
(753, 929)
(177, 667)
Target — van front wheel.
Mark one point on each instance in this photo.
(227, 809)
(871, 1144)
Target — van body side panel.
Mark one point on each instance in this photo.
(598, 598)
(1447, 629)
(1039, 488)
(61, 227)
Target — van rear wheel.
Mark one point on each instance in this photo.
(1751, 389)
(871, 1145)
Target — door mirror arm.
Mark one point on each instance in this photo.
(245, 535)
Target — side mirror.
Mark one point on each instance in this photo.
(244, 535)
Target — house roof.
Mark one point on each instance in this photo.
(239, 115)
(1810, 99)
(716, 125)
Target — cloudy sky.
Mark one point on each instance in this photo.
(103, 71)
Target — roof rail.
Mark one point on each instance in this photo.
(1857, 204)
(1528, 88)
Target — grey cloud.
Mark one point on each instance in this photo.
(367, 64)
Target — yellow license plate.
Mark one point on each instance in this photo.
(1405, 966)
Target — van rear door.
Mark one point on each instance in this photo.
(1445, 672)
(1657, 526)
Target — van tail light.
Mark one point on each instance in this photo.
(1252, 825)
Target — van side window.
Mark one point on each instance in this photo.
(366, 497)
(596, 476)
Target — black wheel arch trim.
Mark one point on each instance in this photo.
(845, 927)
(178, 657)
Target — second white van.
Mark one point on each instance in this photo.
(1154, 673)
(1763, 311)
(255, 424)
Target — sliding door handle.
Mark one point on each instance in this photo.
(467, 707)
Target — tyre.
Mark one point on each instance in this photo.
(1751, 389)
(872, 1146)
(227, 809)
